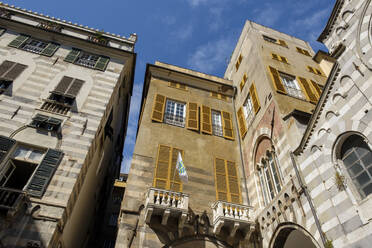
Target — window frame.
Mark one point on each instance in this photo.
(289, 89)
(217, 130)
(248, 117)
(175, 121)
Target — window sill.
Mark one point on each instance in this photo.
(51, 112)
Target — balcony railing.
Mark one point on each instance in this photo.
(11, 199)
(174, 119)
(55, 107)
(86, 62)
(166, 203)
(232, 216)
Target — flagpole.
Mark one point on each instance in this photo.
(174, 174)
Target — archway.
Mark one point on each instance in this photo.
(292, 236)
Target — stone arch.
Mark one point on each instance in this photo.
(287, 234)
(364, 33)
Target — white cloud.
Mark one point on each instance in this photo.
(267, 15)
(207, 58)
(184, 33)
(168, 20)
(216, 19)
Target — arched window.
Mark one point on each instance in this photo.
(357, 158)
(268, 171)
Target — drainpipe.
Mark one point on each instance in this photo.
(240, 147)
(308, 197)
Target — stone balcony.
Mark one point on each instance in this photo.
(233, 217)
(11, 201)
(166, 204)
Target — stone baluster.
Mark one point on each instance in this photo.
(240, 213)
(165, 199)
(174, 197)
(157, 198)
(245, 214)
(236, 215)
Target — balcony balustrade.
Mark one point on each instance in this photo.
(11, 200)
(166, 204)
(232, 216)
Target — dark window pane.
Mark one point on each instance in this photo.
(350, 159)
(361, 150)
(367, 159)
(370, 170)
(368, 189)
(362, 179)
(355, 169)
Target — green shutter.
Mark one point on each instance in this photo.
(72, 56)
(17, 42)
(44, 173)
(101, 63)
(6, 145)
(50, 49)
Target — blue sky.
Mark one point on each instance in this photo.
(196, 34)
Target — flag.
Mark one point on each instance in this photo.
(181, 169)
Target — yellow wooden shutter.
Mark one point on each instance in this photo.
(161, 179)
(311, 69)
(282, 43)
(182, 86)
(319, 72)
(299, 50)
(175, 183)
(227, 125)
(316, 88)
(173, 84)
(192, 116)
(206, 122)
(244, 80)
(220, 179)
(158, 108)
(307, 90)
(233, 183)
(214, 94)
(275, 56)
(306, 52)
(278, 85)
(240, 58)
(284, 59)
(242, 123)
(254, 97)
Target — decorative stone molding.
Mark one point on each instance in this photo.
(51, 26)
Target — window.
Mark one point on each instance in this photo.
(315, 70)
(177, 85)
(165, 174)
(46, 122)
(238, 62)
(33, 45)
(219, 96)
(244, 80)
(248, 110)
(270, 177)
(63, 96)
(27, 168)
(279, 58)
(291, 85)
(109, 131)
(273, 40)
(227, 181)
(303, 51)
(9, 71)
(175, 113)
(217, 123)
(87, 59)
(357, 159)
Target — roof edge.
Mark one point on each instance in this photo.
(331, 20)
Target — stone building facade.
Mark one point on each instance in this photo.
(64, 99)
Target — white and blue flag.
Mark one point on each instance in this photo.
(181, 169)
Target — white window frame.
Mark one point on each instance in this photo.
(87, 59)
(175, 115)
(248, 110)
(217, 128)
(35, 48)
(292, 86)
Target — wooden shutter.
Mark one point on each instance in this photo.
(311, 69)
(244, 80)
(5, 67)
(316, 88)
(17, 42)
(206, 123)
(50, 49)
(284, 59)
(75, 87)
(254, 97)
(44, 173)
(228, 132)
(319, 72)
(233, 183)
(102, 63)
(275, 56)
(11, 70)
(162, 167)
(299, 50)
(306, 53)
(192, 116)
(282, 43)
(278, 85)
(158, 108)
(63, 85)
(242, 124)
(307, 90)
(6, 144)
(173, 84)
(220, 179)
(72, 56)
(175, 183)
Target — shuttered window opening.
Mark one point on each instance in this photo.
(278, 85)
(303, 51)
(275, 41)
(238, 62)
(228, 132)
(315, 70)
(158, 108)
(86, 59)
(242, 123)
(254, 98)
(46, 122)
(217, 128)
(291, 85)
(283, 43)
(279, 58)
(177, 86)
(316, 88)
(63, 96)
(310, 94)
(206, 119)
(244, 80)
(227, 181)
(192, 116)
(9, 71)
(6, 145)
(33, 45)
(175, 113)
(166, 176)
